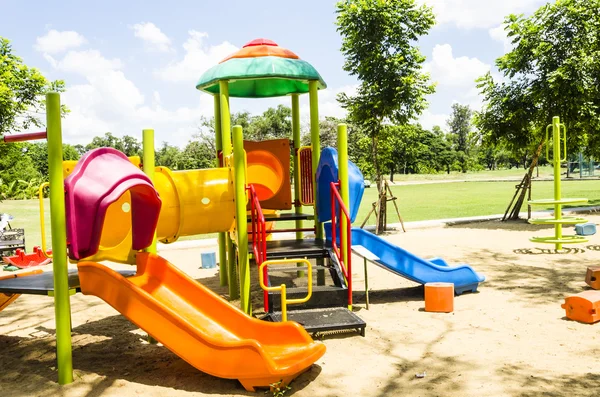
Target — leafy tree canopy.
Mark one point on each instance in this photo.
(22, 92)
(553, 70)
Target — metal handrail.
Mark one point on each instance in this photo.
(336, 200)
(262, 271)
(259, 235)
(42, 222)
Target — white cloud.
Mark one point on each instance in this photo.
(429, 119)
(499, 34)
(199, 57)
(109, 102)
(85, 63)
(459, 72)
(468, 14)
(152, 36)
(55, 42)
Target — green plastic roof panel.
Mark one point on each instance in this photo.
(261, 77)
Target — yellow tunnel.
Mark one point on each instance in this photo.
(193, 202)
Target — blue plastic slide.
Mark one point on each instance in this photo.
(405, 264)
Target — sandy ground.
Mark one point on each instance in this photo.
(510, 339)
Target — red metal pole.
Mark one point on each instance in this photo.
(25, 137)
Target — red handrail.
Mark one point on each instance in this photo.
(336, 200)
(25, 137)
(259, 236)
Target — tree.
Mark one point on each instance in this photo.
(108, 140)
(197, 154)
(552, 70)
(460, 126)
(38, 152)
(274, 123)
(21, 92)
(168, 156)
(131, 146)
(379, 45)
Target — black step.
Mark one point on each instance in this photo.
(324, 319)
(307, 248)
(286, 216)
(323, 296)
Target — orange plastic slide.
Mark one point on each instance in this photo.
(200, 326)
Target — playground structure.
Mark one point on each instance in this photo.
(110, 207)
(559, 155)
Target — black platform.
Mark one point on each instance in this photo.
(307, 248)
(322, 320)
(286, 216)
(43, 283)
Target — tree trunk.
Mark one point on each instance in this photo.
(392, 169)
(514, 214)
(380, 227)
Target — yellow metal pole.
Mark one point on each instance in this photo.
(316, 145)
(239, 178)
(232, 275)
(222, 236)
(58, 225)
(148, 164)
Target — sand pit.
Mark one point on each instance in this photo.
(510, 339)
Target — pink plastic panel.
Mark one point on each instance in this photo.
(99, 179)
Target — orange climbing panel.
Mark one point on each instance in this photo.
(592, 278)
(269, 172)
(439, 297)
(584, 307)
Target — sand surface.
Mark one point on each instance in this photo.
(510, 339)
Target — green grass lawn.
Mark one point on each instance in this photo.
(516, 173)
(416, 202)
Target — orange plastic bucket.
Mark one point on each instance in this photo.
(439, 297)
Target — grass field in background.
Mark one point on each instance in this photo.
(416, 202)
(516, 173)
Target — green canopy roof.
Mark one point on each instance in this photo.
(261, 77)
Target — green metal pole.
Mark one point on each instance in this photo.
(315, 142)
(232, 277)
(239, 169)
(148, 163)
(62, 305)
(557, 192)
(297, 144)
(296, 137)
(342, 141)
(222, 235)
(316, 145)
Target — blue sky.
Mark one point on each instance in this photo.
(130, 65)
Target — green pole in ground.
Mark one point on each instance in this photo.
(557, 192)
(296, 137)
(148, 164)
(222, 235)
(342, 141)
(315, 142)
(232, 276)
(239, 178)
(297, 144)
(62, 305)
(316, 145)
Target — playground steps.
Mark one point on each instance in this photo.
(323, 319)
(286, 216)
(307, 248)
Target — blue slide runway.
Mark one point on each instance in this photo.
(412, 267)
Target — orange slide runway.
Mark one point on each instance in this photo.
(200, 326)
